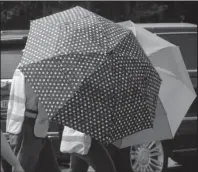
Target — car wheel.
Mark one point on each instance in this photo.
(151, 157)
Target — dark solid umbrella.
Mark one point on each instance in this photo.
(91, 74)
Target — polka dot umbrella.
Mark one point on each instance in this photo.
(90, 74)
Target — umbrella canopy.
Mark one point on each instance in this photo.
(176, 92)
(91, 74)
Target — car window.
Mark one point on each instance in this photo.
(10, 58)
(188, 47)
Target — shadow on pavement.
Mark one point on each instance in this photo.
(184, 169)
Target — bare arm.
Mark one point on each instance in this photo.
(8, 154)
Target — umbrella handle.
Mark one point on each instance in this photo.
(109, 156)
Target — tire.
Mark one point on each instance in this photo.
(146, 156)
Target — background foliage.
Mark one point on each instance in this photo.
(17, 14)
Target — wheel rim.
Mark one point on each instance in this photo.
(147, 157)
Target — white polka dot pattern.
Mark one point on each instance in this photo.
(91, 74)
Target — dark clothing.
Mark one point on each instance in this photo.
(98, 157)
(5, 166)
(35, 154)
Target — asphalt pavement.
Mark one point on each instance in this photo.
(172, 167)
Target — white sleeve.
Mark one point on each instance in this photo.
(16, 104)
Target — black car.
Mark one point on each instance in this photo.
(182, 149)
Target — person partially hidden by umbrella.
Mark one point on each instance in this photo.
(27, 125)
(86, 151)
